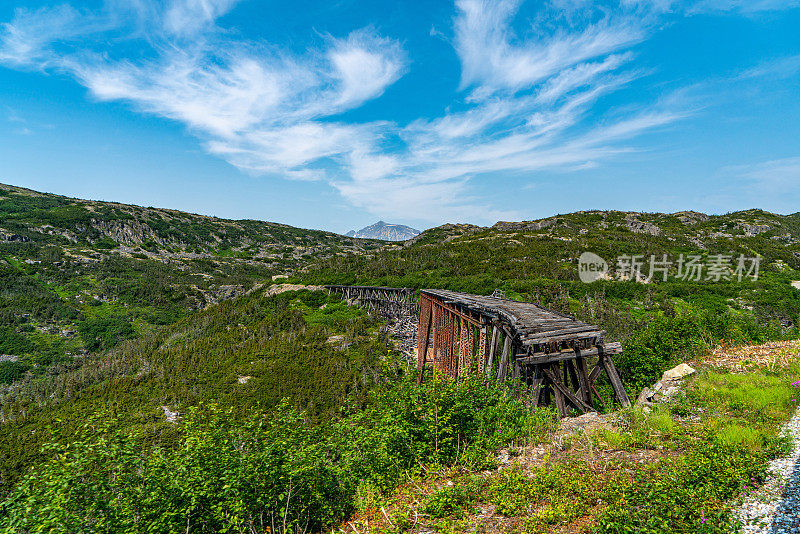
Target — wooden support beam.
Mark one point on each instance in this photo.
(596, 370)
(502, 372)
(583, 379)
(565, 392)
(549, 357)
(558, 392)
(616, 382)
(492, 347)
(573, 377)
(536, 386)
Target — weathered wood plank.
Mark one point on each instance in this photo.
(545, 357)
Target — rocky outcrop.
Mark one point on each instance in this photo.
(691, 217)
(666, 388)
(641, 227)
(385, 232)
(751, 230)
(505, 226)
(128, 232)
(11, 238)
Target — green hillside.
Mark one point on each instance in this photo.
(246, 353)
(79, 276)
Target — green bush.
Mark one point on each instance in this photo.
(683, 496)
(13, 343)
(105, 333)
(11, 371)
(277, 473)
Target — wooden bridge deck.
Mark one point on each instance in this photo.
(535, 326)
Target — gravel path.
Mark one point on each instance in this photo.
(775, 507)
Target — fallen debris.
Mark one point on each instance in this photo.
(746, 358)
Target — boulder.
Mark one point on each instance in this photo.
(666, 388)
(676, 373)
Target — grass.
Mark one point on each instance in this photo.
(677, 469)
(761, 397)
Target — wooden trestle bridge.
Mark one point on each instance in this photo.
(388, 301)
(548, 352)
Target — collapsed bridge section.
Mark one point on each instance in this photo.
(547, 351)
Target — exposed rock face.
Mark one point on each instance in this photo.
(223, 292)
(450, 231)
(505, 226)
(13, 238)
(753, 229)
(129, 232)
(641, 227)
(691, 217)
(385, 231)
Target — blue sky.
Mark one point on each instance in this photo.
(335, 114)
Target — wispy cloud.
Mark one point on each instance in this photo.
(525, 100)
(747, 7)
(494, 59)
(777, 175)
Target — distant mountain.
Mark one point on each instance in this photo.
(385, 231)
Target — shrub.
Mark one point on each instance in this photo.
(681, 496)
(13, 343)
(259, 474)
(105, 333)
(11, 371)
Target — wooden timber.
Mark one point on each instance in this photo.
(548, 352)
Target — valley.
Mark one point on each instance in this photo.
(146, 342)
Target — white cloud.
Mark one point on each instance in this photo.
(187, 17)
(365, 65)
(494, 59)
(26, 41)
